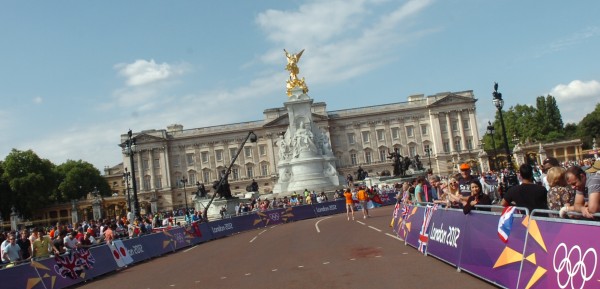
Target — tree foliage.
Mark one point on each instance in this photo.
(589, 127)
(29, 182)
(77, 178)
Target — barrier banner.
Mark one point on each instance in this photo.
(69, 269)
(22, 276)
(136, 249)
(561, 255)
(412, 225)
(445, 240)
(404, 224)
(197, 233)
(156, 244)
(178, 238)
(303, 212)
(226, 227)
(329, 208)
(483, 252)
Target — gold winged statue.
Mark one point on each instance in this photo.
(292, 67)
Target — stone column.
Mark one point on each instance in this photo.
(97, 208)
(14, 219)
(74, 212)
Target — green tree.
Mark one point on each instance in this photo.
(77, 178)
(31, 181)
(570, 131)
(5, 194)
(589, 127)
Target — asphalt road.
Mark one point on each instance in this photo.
(328, 252)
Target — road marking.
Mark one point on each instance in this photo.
(262, 232)
(374, 228)
(317, 224)
(404, 253)
(353, 259)
(360, 222)
(325, 263)
(274, 270)
(300, 266)
(397, 238)
(248, 274)
(185, 251)
(378, 256)
(223, 277)
(253, 239)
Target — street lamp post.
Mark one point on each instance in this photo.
(511, 179)
(126, 176)
(428, 151)
(490, 131)
(129, 150)
(252, 137)
(184, 181)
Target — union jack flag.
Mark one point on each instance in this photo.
(424, 235)
(405, 210)
(72, 265)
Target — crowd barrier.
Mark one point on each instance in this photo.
(541, 252)
(86, 264)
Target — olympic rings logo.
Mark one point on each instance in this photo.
(274, 216)
(571, 269)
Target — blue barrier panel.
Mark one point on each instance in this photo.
(226, 227)
(561, 254)
(485, 255)
(135, 249)
(156, 244)
(445, 240)
(329, 208)
(302, 213)
(179, 238)
(22, 276)
(70, 269)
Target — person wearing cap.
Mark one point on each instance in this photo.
(587, 186)
(548, 163)
(464, 181)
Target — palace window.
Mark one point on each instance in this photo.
(353, 160)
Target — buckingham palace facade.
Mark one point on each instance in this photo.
(443, 124)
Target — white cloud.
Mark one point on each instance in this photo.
(576, 99)
(576, 90)
(38, 100)
(340, 37)
(142, 72)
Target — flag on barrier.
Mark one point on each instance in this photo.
(424, 234)
(505, 223)
(395, 215)
(123, 251)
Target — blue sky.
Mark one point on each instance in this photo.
(75, 75)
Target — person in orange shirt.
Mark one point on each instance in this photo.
(349, 204)
(363, 199)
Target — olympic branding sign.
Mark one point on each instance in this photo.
(572, 267)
